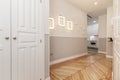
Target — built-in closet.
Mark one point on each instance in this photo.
(21, 40)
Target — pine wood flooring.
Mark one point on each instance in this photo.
(90, 67)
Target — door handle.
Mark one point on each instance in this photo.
(7, 38)
(14, 38)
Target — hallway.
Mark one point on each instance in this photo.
(89, 67)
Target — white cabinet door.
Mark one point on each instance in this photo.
(27, 48)
(5, 40)
(116, 69)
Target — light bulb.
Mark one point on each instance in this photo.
(96, 3)
(94, 21)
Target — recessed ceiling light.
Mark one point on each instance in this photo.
(94, 21)
(96, 3)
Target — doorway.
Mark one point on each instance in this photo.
(92, 31)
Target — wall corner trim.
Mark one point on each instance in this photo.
(109, 56)
(102, 52)
(68, 58)
(47, 78)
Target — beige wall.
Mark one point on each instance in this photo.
(102, 32)
(109, 22)
(79, 18)
(66, 43)
(102, 26)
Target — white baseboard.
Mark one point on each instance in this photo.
(108, 56)
(68, 58)
(102, 52)
(47, 78)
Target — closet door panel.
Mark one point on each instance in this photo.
(5, 59)
(26, 34)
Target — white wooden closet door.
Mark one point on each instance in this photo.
(27, 50)
(4, 40)
(116, 69)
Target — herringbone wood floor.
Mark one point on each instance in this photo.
(90, 67)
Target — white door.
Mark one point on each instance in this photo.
(5, 40)
(116, 64)
(27, 44)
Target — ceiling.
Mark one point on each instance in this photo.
(92, 10)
